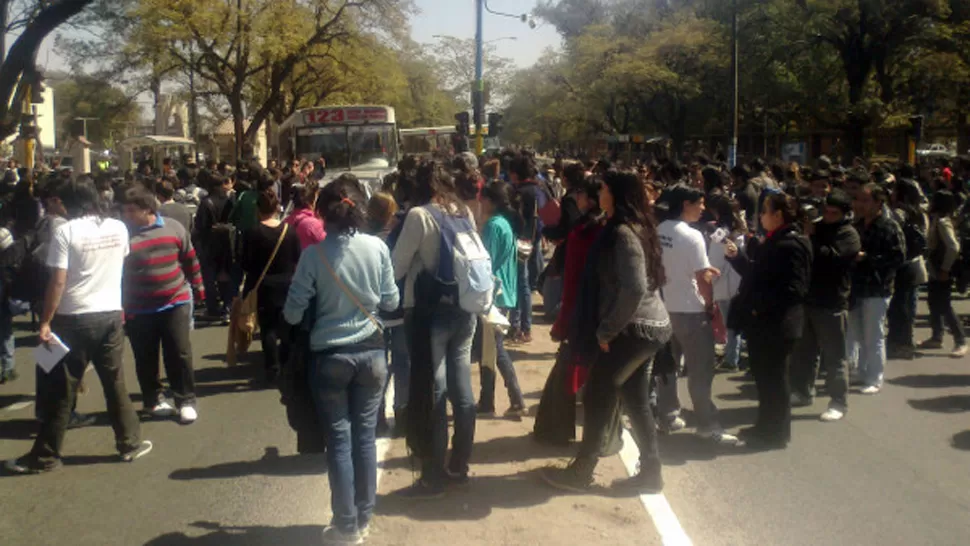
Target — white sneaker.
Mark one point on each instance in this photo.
(162, 409)
(188, 415)
(959, 351)
(719, 437)
(333, 537)
(832, 414)
(674, 425)
(871, 389)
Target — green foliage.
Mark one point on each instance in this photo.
(88, 97)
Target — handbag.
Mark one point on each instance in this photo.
(353, 298)
(242, 314)
(551, 212)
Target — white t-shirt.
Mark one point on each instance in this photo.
(684, 254)
(93, 251)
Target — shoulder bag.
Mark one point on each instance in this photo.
(348, 293)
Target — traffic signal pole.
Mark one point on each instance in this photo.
(478, 94)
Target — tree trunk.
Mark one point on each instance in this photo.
(238, 124)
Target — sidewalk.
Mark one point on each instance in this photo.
(507, 503)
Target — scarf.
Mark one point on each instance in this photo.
(585, 319)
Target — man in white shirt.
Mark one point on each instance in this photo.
(688, 296)
(83, 307)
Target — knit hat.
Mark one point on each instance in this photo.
(840, 200)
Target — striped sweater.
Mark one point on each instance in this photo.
(160, 260)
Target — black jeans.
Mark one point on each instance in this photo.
(168, 330)
(276, 347)
(600, 399)
(97, 338)
(939, 297)
(902, 313)
(218, 286)
(770, 355)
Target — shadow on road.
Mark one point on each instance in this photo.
(10, 399)
(18, 429)
(961, 440)
(474, 502)
(956, 403)
(932, 381)
(270, 464)
(242, 536)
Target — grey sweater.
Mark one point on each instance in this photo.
(626, 303)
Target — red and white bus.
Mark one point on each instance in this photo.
(349, 138)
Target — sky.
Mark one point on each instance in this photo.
(457, 18)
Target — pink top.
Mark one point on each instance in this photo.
(309, 228)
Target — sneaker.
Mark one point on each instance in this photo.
(901, 352)
(332, 535)
(28, 465)
(832, 414)
(799, 400)
(570, 478)
(516, 412)
(423, 490)
(364, 530)
(718, 436)
(9, 376)
(642, 483)
(671, 426)
(931, 344)
(144, 448)
(80, 420)
(161, 409)
(524, 338)
(188, 415)
(870, 389)
(484, 411)
(959, 351)
(457, 479)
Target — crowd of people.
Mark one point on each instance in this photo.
(657, 272)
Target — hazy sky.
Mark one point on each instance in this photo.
(457, 18)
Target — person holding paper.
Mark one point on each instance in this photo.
(83, 305)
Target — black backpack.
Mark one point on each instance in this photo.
(24, 274)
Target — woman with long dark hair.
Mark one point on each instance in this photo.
(944, 249)
(620, 325)
(502, 224)
(346, 277)
(905, 200)
(269, 258)
(769, 311)
(440, 335)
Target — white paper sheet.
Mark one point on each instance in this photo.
(49, 355)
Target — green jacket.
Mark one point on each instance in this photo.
(243, 214)
(499, 241)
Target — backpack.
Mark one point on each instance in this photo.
(914, 234)
(464, 266)
(24, 274)
(222, 237)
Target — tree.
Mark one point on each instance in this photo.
(232, 45)
(18, 69)
(87, 97)
(454, 59)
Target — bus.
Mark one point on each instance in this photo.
(427, 141)
(360, 139)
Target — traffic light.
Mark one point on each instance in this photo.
(916, 130)
(494, 124)
(464, 123)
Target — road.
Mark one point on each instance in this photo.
(893, 472)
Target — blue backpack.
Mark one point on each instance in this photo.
(464, 266)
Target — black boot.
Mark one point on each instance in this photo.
(400, 423)
(577, 477)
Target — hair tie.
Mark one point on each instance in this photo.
(348, 202)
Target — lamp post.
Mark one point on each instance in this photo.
(733, 151)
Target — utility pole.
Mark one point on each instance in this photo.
(733, 151)
(478, 94)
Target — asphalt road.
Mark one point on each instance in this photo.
(893, 472)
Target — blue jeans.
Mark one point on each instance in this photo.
(347, 392)
(7, 346)
(452, 330)
(732, 351)
(399, 366)
(866, 339)
(507, 369)
(521, 316)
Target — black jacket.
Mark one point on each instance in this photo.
(885, 251)
(834, 247)
(531, 199)
(569, 215)
(775, 281)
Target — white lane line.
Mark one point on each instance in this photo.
(384, 444)
(664, 519)
(19, 405)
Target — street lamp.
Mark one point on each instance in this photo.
(478, 93)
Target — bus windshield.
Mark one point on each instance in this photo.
(350, 147)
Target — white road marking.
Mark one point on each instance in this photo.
(664, 519)
(19, 405)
